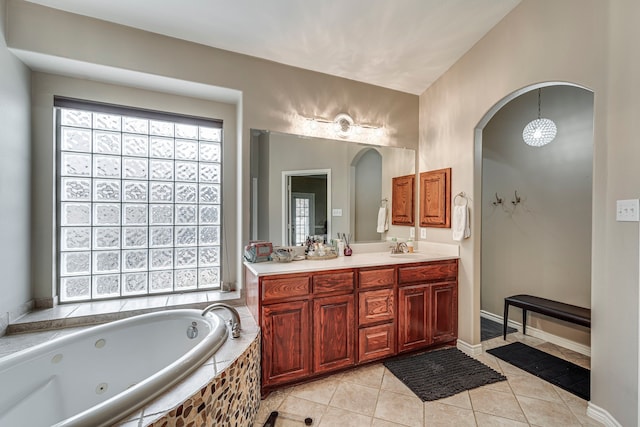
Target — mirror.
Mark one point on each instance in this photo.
(313, 186)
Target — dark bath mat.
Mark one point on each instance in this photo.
(441, 373)
(490, 329)
(566, 375)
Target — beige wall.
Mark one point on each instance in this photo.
(542, 246)
(15, 288)
(272, 96)
(588, 43)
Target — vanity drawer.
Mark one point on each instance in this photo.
(436, 271)
(375, 306)
(333, 282)
(377, 277)
(284, 287)
(376, 342)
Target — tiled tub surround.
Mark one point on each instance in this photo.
(227, 392)
(220, 367)
(93, 313)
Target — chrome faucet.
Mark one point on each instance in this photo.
(235, 317)
(399, 248)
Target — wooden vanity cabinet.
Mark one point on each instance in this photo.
(285, 319)
(376, 313)
(286, 342)
(444, 312)
(333, 333)
(319, 322)
(414, 329)
(427, 304)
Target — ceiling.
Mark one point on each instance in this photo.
(398, 44)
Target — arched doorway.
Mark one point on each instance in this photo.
(530, 243)
(366, 173)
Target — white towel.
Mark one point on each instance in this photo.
(460, 226)
(383, 223)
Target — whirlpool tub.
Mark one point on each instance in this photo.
(100, 375)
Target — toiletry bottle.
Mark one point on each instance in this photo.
(410, 245)
(340, 247)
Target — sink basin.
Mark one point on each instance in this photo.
(408, 255)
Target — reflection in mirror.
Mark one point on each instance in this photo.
(305, 206)
(285, 170)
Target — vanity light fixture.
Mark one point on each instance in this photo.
(342, 126)
(540, 131)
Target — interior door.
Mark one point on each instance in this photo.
(301, 217)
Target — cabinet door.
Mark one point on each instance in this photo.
(402, 205)
(333, 333)
(444, 312)
(286, 351)
(435, 198)
(413, 317)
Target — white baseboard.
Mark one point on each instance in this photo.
(468, 349)
(602, 415)
(538, 333)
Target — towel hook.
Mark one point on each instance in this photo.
(517, 200)
(498, 201)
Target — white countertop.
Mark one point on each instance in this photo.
(356, 260)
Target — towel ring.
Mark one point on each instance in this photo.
(464, 197)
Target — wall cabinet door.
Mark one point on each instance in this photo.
(435, 198)
(414, 329)
(286, 345)
(444, 312)
(402, 204)
(333, 333)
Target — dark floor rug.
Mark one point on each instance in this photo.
(490, 329)
(441, 373)
(566, 375)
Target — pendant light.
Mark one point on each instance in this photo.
(540, 131)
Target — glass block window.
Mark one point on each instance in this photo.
(139, 202)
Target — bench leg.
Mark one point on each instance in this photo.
(524, 321)
(504, 320)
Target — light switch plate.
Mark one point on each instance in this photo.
(628, 210)
(423, 233)
(336, 212)
(412, 232)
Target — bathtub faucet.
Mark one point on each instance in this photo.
(235, 317)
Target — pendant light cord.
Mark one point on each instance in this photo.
(539, 90)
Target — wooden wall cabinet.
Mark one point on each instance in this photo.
(435, 198)
(320, 322)
(402, 200)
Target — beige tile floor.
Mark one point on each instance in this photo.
(372, 396)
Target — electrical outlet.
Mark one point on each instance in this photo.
(423, 233)
(412, 232)
(628, 210)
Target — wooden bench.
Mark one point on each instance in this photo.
(555, 309)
